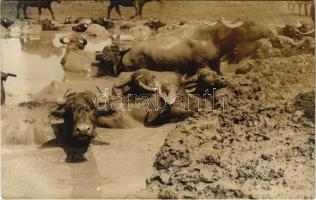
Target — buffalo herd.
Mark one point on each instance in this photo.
(170, 68)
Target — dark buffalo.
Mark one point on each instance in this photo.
(47, 25)
(46, 4)
(141, 81)
(204, 80)
(187, 49)
(137, 4)
(295, 31)
(74, 122)
(106, 23)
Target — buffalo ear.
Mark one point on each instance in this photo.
(55, 120)
(58, 113)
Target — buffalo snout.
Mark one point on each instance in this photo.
(84, 129)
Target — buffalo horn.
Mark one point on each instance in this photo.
(184, 80)
(62, 100)
(64, 40)
(229, 24)
(189, 91)
(145, 87)
(82, 40)
(307, 33)
(213, 23)
(297, 43)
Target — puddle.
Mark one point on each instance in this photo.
(35, 60)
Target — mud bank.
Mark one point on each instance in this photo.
(260, 146)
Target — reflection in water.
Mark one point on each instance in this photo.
(33, 70)
(86, 179)
(42, 46)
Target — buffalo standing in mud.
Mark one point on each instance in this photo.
(46, 4)
(187, 49)
(137, 4)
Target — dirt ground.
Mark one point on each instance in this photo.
(258, 143)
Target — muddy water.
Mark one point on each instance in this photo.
(117, 170)
(36, 63)
(114, 171)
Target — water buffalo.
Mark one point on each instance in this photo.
(295, 31)
(74, 122)
(187, 49)
(80, 112)
(205, 79)
(106, 23)
(46, 4)
(75, 59)
(137, 4)
(141, 81)
(47, 25)
(169, 104)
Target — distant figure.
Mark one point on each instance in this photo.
(137, 4)
(46, 4)
(4, 77)
(299, 3)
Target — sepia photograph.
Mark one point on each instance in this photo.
(157, 99)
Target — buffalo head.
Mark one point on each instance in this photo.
(106, 23)
(76, 42)
(77, 114)
(110, 60)
(170, 98)
(140, 82)
(205, 79)
(239, 39)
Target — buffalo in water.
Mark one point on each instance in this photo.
(187, 49)
(74, 122)
(77, 115)
(75, 59)
(137, 4)
(46, 4)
